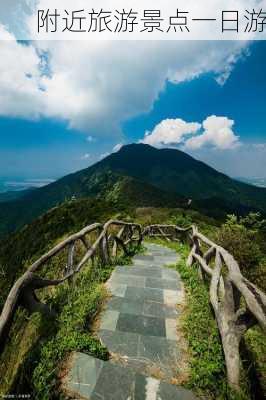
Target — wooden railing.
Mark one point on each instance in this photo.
(237, 303)
(95, 239)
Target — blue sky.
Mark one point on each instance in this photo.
(87, 107)
(242, 98)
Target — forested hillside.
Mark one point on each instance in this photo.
(146, 175)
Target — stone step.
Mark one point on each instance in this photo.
(139, 328)
(92, 379)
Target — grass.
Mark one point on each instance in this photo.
(42, 345)
(207, 369)
(256, 355)
(46, 342)
(70, 333)
(207, 376)
(76, 307)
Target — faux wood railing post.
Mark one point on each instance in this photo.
(119, 235)
(225, 293)
(104, 251)
(227, 285)
(70, 263)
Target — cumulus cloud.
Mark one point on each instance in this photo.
(19, 78)
(95, 86)
(170, 131)
(218, 133)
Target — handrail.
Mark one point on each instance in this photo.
(23, 293)
(217, 268)
(227, 286)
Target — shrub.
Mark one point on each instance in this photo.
(242, 242)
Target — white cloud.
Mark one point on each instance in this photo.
(170, 131)
(117, 147)
(217, 133)
(104, 155)
(94, 86)
(19, 79)
(259, 146)
(90, 139)
(86, 156)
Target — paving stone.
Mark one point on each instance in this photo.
(159, 350)
(171, 392)
(142, 325)
(139, 327)
(129, 280)
(171, 329)
(165, 260)
(145, 294)
(161, 253)
(155, 247)
(116, 289)
(162, 283)
(123, 343)
(144, 258)
(109, 320)
(170, 274)
(115, 303)
(107, 381)
(150, 388)
(114, 383)
(141, 271)
(141, 264)
(146, 387)
(149, 271)
(171, 296)
(154, 309)
(120, 269)
(84, 374)
(134, 307)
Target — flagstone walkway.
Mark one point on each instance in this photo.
(139, 328)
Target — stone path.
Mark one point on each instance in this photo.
(139, 329)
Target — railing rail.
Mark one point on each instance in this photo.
(237, 303)
(23, 293)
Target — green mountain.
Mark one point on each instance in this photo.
(175, 171)
(139, 175)
(14, 195)
(119, 190)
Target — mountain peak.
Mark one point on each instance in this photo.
(137, 146)
(143, 148)
(154, 172)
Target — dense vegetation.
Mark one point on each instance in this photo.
(42, 346)
(14, 195)
(177, 172)
(20, 249)
(244, 237)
